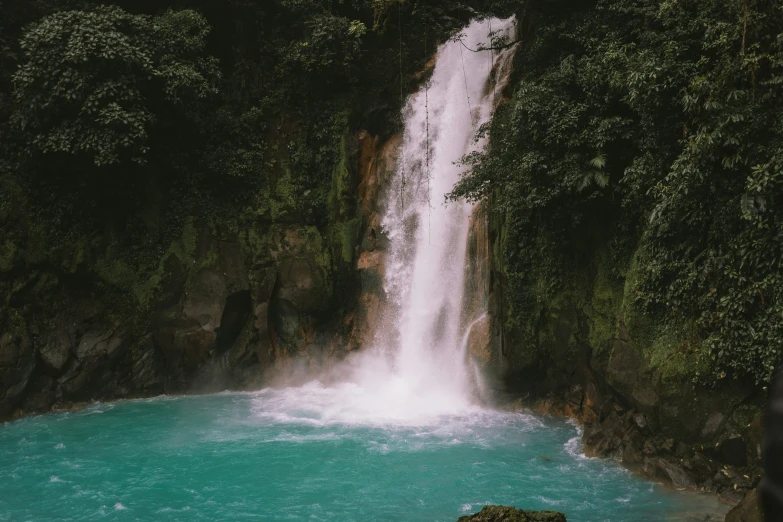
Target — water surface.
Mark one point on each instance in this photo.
(297, 454)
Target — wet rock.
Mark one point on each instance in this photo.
(714, 422)
(184, 349)
(371, 261)
(73, 382)
(148, 368)
(368, 317)
(9, 350)
(669, 472)
(640, 420)
(17, 363)
(98, 347)
(300, 284)
(731, 496)
(480, 341)
(510, 514)
(261, 324)
(56, 352)
(748, 510)
(205, 298)
(632, 457)
(623, 368)
(42, 397)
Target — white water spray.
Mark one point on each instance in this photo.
(424, 325)
(417, 369)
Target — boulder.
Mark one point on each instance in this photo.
(623, 369)
(205, 298)
(748, 510)
(98, 344)
(669, 472)
(148, 368)
(480, 341)
(511, 514)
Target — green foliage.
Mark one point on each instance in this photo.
(132, 129)
(661, 124)
(88, 77)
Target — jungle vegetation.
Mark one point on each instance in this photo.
(658, 123)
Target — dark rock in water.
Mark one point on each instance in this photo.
(511, 514)
(620, 437)
(749, 510)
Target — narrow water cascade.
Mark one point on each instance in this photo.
(423, 330)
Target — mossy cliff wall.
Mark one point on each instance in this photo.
(226, 303)
(625, 287)
(586, 350)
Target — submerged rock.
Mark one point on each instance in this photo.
(511, 514)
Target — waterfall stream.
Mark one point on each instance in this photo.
(423, 333)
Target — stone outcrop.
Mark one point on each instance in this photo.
(749, 510)
(510, 514)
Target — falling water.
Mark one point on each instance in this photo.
(423, 331)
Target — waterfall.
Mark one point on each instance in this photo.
(423, 333)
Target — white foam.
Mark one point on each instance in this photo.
(549, 501)
(574, 445)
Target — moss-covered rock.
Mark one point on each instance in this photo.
(510, 514)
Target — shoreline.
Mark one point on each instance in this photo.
(672, 464)
(545, 408)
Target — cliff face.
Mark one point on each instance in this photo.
(223, 308)
(590, 353)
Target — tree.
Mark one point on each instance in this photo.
(93, 82)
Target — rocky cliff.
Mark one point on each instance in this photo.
(224, 308)
(595, 357)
